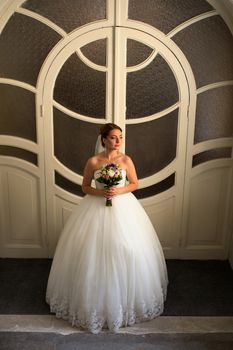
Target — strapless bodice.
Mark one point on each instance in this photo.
(101, 186)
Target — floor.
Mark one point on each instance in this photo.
(196, 288)
(36, 341)
(198, 312)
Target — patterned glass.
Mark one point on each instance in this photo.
(152, 145)
(18, 153)
(214, 115)
(156, 189)
(69, 14)
(151, 89)
(166, 14)
(96, 51)
(217, 153)
(17, 110)
(68, 185)
(208, 46)
(137, 52)
(74, 141)
(81, 88)
(24, 45)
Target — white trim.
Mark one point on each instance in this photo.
(7, 12)
(19, 142)
(212, 144)
(43, 20)
(214, 86)
(212, 164)
(159, 176)
(75, 115)
(18, 83)
(66, 196)
(121, 12)
(66, 172)
(143, 64)
(190, 22)
(119, 107)
(153, 116)
(21, 165)
(89, 63)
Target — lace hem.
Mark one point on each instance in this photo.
(95, 321)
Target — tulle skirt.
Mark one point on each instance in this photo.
(108, 270)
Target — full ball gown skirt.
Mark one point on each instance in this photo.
(108, 270)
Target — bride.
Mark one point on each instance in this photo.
(108, 270)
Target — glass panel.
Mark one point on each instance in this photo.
(211, 154)
(96, 51)
(68, 185)
(137, 52)
(157, 188)
(208, 45)
(151, 89)
(18, 153)
(17, 111)
(166, 14)
(81, 88)
(69, 14)
(214, 115)
(74, 141)
(24, 45)
(152, 145)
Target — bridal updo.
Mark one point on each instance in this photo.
(105, 130)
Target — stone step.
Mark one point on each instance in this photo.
(159, 325)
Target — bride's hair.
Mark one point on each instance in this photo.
(105, 130)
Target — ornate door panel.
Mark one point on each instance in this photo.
(78, 95)
(97, 77)
(152, 98)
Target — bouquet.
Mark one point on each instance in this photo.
(110, 175)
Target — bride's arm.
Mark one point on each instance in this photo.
(87, 179)
(132, 179)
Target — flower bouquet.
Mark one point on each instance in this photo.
(110, 175)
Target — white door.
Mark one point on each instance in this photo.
(99, 91)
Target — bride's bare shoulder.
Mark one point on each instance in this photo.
(95, 160)
(126, 161)
(126, 158)
(92, 160)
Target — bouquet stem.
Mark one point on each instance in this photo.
(108, 202)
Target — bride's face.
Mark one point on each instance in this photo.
(114, 140)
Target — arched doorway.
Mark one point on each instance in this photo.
(71, 132)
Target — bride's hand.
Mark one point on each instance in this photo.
(112, 191)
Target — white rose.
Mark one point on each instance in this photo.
(111, 173)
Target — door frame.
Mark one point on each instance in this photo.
(46, 84)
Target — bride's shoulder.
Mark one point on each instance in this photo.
(126, 158)
(91, 161)
(95, 160)
(126, 161)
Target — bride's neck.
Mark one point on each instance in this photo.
(110, 155)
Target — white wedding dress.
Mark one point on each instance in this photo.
(108, 270)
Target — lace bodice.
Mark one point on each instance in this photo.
(100, 185)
